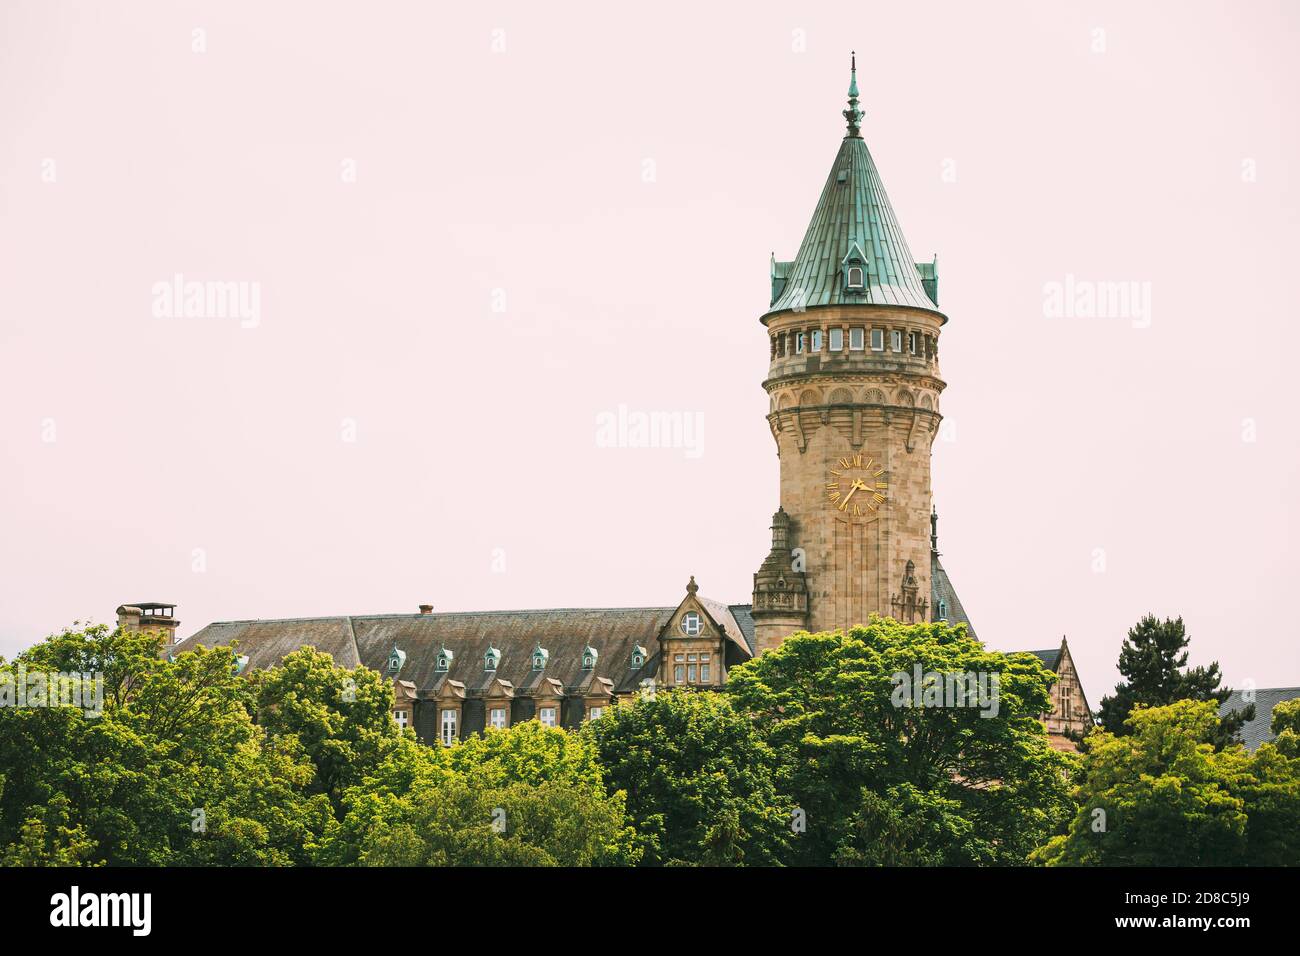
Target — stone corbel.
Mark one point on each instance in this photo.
(913, 429)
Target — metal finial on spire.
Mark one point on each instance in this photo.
(853, 114)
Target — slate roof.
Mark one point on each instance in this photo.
(941, 589)
(266, 642)
(853, 211)
(1051, 658)
(565, 633)
(1256, 732)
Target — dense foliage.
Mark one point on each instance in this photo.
(833, 749)
(700, 778)
(881, 783)
(1164, 795)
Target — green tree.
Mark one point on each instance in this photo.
(47, 838)
(1165, 795)
(882, 781)
(1153, 660)
(524, 796)
(1285, 725)
(343, 718)
(699, 777)
(171, 771)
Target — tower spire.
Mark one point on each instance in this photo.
(853, 114)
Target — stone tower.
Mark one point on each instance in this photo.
(853, 328)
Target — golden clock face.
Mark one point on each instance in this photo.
(856, 486)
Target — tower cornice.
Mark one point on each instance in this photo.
(854, 377)
(859, 311)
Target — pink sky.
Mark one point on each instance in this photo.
(129, 440)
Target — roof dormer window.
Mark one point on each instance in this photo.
(589, 655)
(854, 269)
(445, 657)
(491, 659)
(638, 657)
(396, 659)
(540, 656)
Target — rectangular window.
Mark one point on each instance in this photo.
(896, 340)
(448, 727)
(877, 340)
(547, 716)
(857, 339)
(497, 717)
(677, 674)
(402, 719)
(837, 340)
(798, 342)
(595, 713)
(817, 340)
(690, 673)
(913, 341)
(690, 657)
(704, 673)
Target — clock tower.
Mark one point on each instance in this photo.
(853, 385)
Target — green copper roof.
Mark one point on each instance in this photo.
(853, 221)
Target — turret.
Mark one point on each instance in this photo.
(780, 602)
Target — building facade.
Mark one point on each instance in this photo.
(853, 327)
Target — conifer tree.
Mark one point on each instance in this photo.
(1153, 660)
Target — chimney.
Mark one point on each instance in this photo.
(426, 608)
(149, 616)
